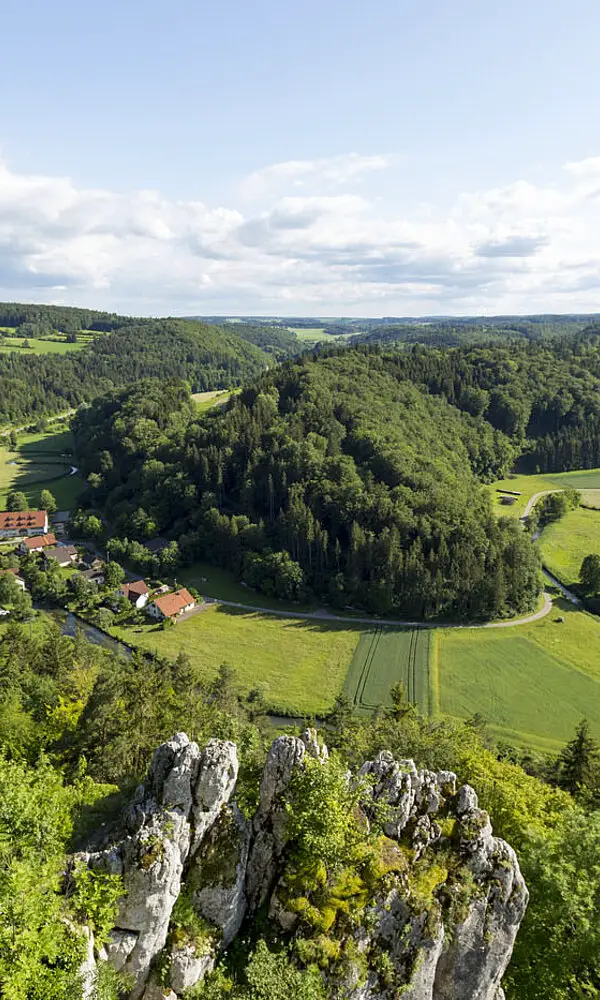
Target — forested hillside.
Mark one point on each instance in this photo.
(333, 474)
(207, 357)
(545, 397)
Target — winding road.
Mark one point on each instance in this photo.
(322, 615)
(326, 616)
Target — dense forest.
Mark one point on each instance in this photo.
(354, 474)
(78, 726)
(207, 357)
(332, 475)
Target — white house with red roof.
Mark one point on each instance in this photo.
(37, 543)
(23, 523)
(137, 593)
(171, 605)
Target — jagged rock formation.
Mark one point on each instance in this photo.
(440, 926)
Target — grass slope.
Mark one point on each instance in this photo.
(8, 344)
(208, 400)
(299, 666)
(384, 657)
(565, 543)
(39, 463)
(532, 683)
(527, 486)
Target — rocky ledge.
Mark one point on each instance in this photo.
(440, 926)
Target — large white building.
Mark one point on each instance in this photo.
(22, 523)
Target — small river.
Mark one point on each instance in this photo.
(71, 624)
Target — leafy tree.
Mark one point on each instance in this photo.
(322, 814)
(557, 952)
(13, 440)
(114, 574)
(47, 502)
(22, 606)
(9, 589)
(17, 501)
(589, 574)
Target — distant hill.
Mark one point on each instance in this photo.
(207, 357)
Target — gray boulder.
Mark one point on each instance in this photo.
(268, 827)
(217, 874)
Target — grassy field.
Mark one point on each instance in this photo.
(208, 400)
(299, 666)
(527, 486)
(532, 683)
(8, 344)
(38, 464)
(214, 582)
(565, 543)
(382, 658)
(310, 335)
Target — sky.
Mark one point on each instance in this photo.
(372, 158)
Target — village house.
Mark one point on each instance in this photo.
(156, 545)
(93, 576)
(15, 524)
(37, 543)
(15, 572)
(64, 555)
(171, 605)
(137, 593)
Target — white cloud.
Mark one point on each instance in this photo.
(302, 174)
(323, 249)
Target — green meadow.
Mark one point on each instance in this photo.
(299, 666)
(565, 543)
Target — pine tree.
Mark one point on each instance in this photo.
(579, 765)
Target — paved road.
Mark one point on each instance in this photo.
(326, 616)
(534, 499)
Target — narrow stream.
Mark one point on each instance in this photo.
(568, 594)
(71, 624)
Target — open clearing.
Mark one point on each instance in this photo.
(384, 657)
(8, 344)
(533, 684)
(211, 581)
(39, 463)
(208, 400)
(527, 486)
(565, 543)
(298, 666)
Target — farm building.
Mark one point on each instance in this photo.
(156, 545)
(171, 605)
(14, 524)
(37, 543)
(93, 576)
(64, 555)
(137, 593)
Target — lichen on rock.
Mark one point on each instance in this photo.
(429, 909)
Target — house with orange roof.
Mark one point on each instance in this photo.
(171, 605)
(37, 543)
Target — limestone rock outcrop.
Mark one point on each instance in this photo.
(440, 925)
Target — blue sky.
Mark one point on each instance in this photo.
(329, 158)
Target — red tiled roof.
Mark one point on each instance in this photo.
(136, 589)
(39, 541)
(3, 572)
(22, 520)
(172, 604)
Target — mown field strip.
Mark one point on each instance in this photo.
(383, 658)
